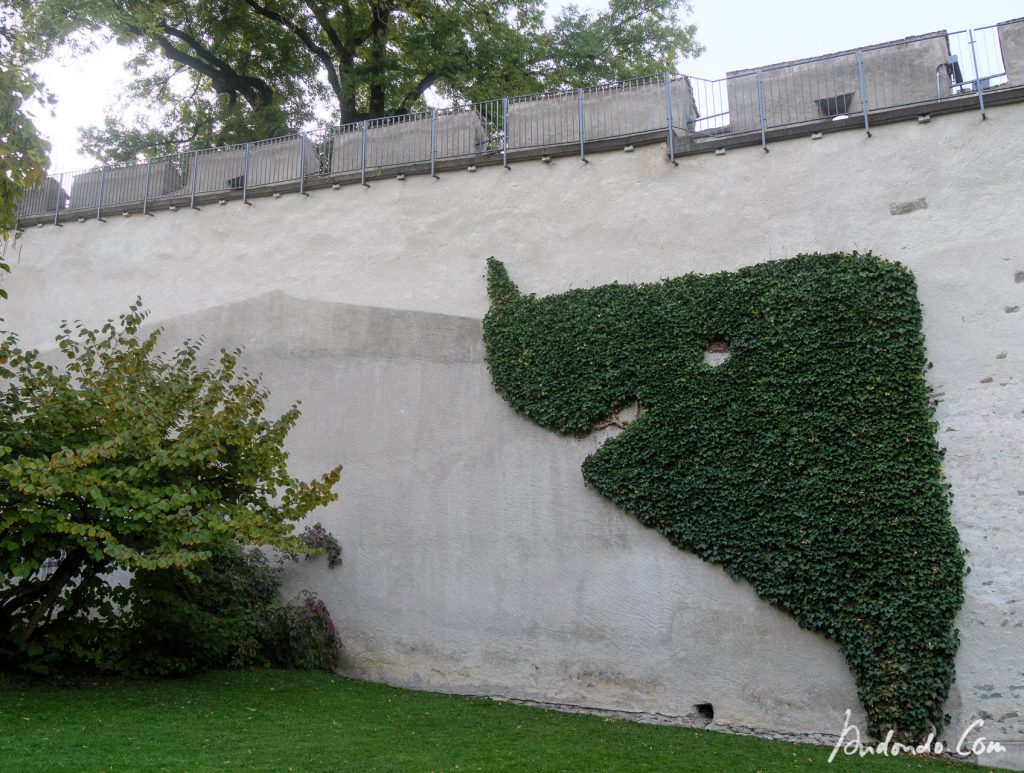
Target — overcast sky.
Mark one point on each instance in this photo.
(736, 34)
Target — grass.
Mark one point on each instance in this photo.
(280, 721)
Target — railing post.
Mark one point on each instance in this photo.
(977, 76)
(433, 142)
(245, 176)
(671, 118)
(56, 199)
(761, 110)
(195, 179)
(504, 132)
(579, 94)
(362, 159)
(145, 191)
(99, 200)
(302, 163)
(863, 90)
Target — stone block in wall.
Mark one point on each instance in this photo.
(899, 73)
(1011, 42)
(123, 184)
(47, 197)
(405, 139)
(617, 110)
(270, 161)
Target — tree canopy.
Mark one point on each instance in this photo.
(23, 153)
(128, 459)
(239, 70)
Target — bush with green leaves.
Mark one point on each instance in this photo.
(806, 463)
(230, 615)
(129, 459)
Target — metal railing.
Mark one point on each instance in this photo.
(854, 85)
(689, 113)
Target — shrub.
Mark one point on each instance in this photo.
(231, 615)
(127, 460)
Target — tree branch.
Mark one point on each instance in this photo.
(55, 584)
(226, 79)
(321, 53)
(416, 92)
(345, 54)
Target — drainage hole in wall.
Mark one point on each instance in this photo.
(705, 711)
(717, 352)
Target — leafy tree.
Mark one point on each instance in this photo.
(126, 459)
(246, 69)
(23, 153)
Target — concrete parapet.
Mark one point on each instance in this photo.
(123, 184)
(541, 121)
(47, 197)
(898, 73)
(461, 133)
(904, 73)
(278, 160)
(406, 140)
(609, 111)
(1011, 41)
(270, 161)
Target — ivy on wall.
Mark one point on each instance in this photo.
(806, 463)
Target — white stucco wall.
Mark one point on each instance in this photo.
(475, 558)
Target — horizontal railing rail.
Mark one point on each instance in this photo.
(689, 113)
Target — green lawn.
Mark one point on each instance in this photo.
(279, 720)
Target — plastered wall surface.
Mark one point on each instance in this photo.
(475, 558)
